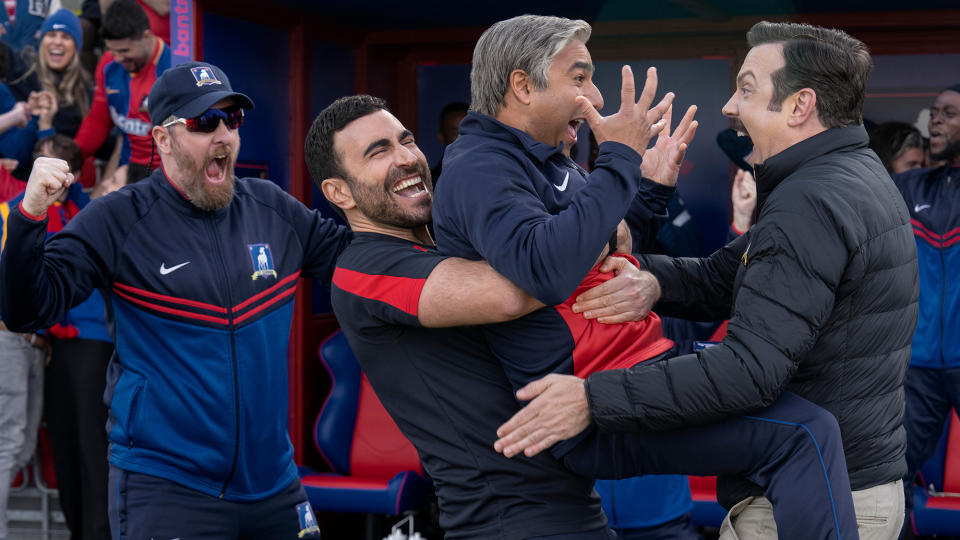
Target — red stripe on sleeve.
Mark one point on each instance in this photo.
(400, 292)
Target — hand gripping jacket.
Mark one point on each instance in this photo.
(202, 303)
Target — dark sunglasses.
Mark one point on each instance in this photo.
(210, 120)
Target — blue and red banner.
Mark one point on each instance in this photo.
(182, 46)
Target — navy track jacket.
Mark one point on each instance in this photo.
(537, 219)
(202, 304)
(933, 198)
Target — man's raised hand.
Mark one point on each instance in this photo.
(662, 162)
(48, 180)
(635, 123)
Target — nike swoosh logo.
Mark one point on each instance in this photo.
(918, 207)
(563, 186)
(109, 90)
(164, 270)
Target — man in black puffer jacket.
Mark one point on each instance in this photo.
(821, 292)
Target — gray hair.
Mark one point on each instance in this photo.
(528, 43)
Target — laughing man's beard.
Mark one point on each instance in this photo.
(378, 205)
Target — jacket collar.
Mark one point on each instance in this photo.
(487, 126)
(771, 172)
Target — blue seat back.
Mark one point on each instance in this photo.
(333, 430)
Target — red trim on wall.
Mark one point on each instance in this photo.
(197, 31)
(300, 189)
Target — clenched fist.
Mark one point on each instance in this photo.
(48, 181)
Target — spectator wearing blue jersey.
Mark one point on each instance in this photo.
(127, 71)
(933, 199)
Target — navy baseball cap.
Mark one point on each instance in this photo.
(188, 90)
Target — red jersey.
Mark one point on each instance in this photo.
(120, 99)
(600, 346)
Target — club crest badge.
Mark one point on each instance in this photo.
(308, 523)
(262, 261)
(204, 76)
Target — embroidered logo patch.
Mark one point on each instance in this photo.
(204, 76)
(262, 261)
(308, 523)
(745, 253)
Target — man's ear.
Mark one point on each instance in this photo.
(521, 86)
(801, 106)
(161, 136)
(337, 191)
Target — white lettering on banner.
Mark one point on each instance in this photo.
(130, 126)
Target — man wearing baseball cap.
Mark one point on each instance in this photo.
(200, 269)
